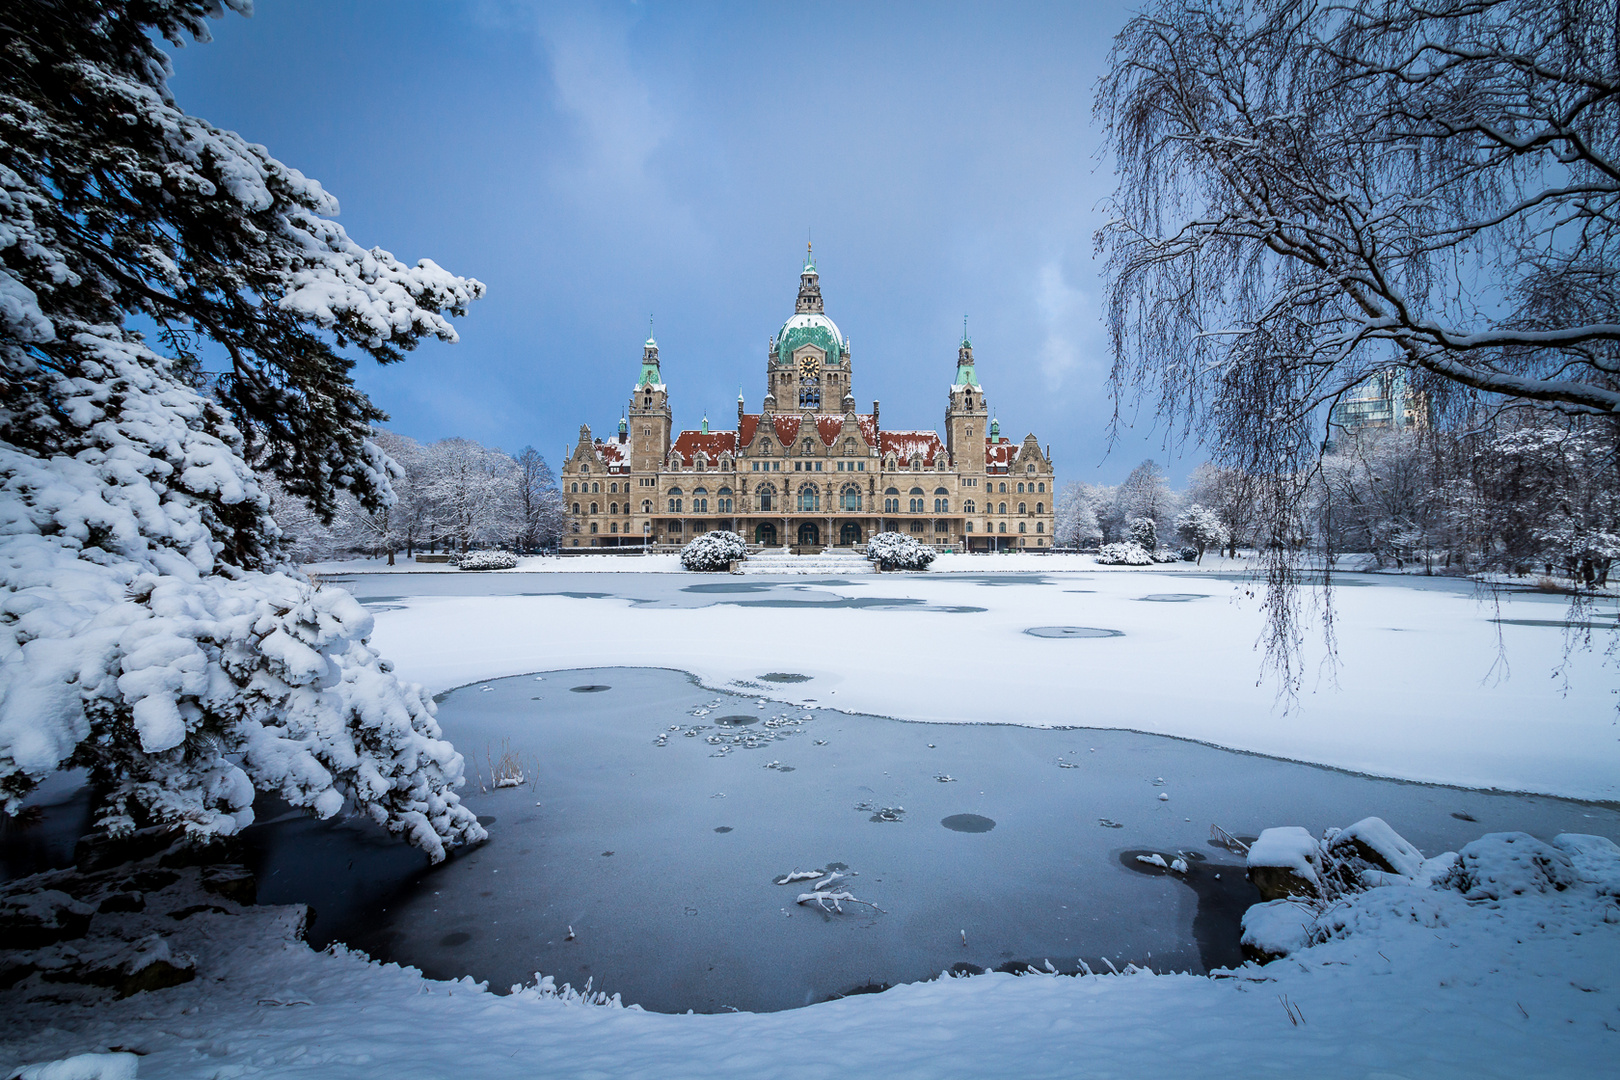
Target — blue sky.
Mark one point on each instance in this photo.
(594, 164)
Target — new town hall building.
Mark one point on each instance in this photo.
(807, 469)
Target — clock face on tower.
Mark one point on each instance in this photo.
(809, 367)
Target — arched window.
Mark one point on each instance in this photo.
(613, 489)
(1001, 526)
(700, 500)
(916, 503)
(850, 499)
(1041, 486)
(1003, 509)
(1023, 508)
(1020, 489)
(1004, 490)
(1020, 526)
(1040, 508)
(809, 498)
(593, 508)
(613, 508)
(891, 505)
(593, 527)
(967, 506)
(584, 470)
(942, 506)
(1040, 526)
(613, 527)
(724, 506)
(1030, 469)
(674, 500)
(576, 508)
(574, 488)
(969, 527)
(646, 506)
(767, 496)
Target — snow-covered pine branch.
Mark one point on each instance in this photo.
(154, 629)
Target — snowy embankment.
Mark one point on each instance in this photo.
(1016, 562)
(1420, 692)
(1507, 965)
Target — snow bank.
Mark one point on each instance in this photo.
(118, 1066)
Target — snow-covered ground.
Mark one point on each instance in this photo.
(1001, 563)
(1420, 980)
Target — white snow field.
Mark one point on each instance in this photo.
(1514, 973)
(1420, 692)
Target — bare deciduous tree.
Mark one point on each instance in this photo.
(1312, 192)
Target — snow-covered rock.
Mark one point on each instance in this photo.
(1276, 928)
(1375, 843)
(1284, 862)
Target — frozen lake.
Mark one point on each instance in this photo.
(661, 849)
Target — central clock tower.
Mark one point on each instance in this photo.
(809, 366)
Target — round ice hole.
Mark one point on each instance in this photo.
(486, 819)
(784, 677)
(593, 688)
(739, 720)
(1173, 597)
(722, 828)
(968, 823)
(450, 941)
(1072, 632)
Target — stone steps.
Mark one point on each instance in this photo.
(778, 561)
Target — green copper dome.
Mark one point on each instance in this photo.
(807, 328)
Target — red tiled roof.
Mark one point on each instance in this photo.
(746, 429)
(787, 428)
(712, 443)
(828, 428)
(903, 444)
(868, 427)
(999, 453)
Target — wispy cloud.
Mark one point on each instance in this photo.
(1067, 321)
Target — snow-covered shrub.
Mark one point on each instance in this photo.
(1124, 554)
(1188, 554)
(714, 551)
(488, 560)
(897, 551)
(1143, 532)
(1165, 555)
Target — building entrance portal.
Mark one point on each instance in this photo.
(765, 534)
(849, 535)
(809, 535)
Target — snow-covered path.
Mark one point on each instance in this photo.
(1418, 694)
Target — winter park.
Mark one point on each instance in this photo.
(426, 664)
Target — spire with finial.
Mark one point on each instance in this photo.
(965, 375)
(650, 375)
(809, 301)
(705, 423)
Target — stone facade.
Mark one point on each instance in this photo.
(807, 469)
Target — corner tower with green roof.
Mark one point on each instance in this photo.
(649, 414)
(967, 415)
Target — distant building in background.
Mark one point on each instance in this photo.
(1385, 402)
(807, 470)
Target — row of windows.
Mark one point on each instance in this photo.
(810, 499)
(594, 487)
